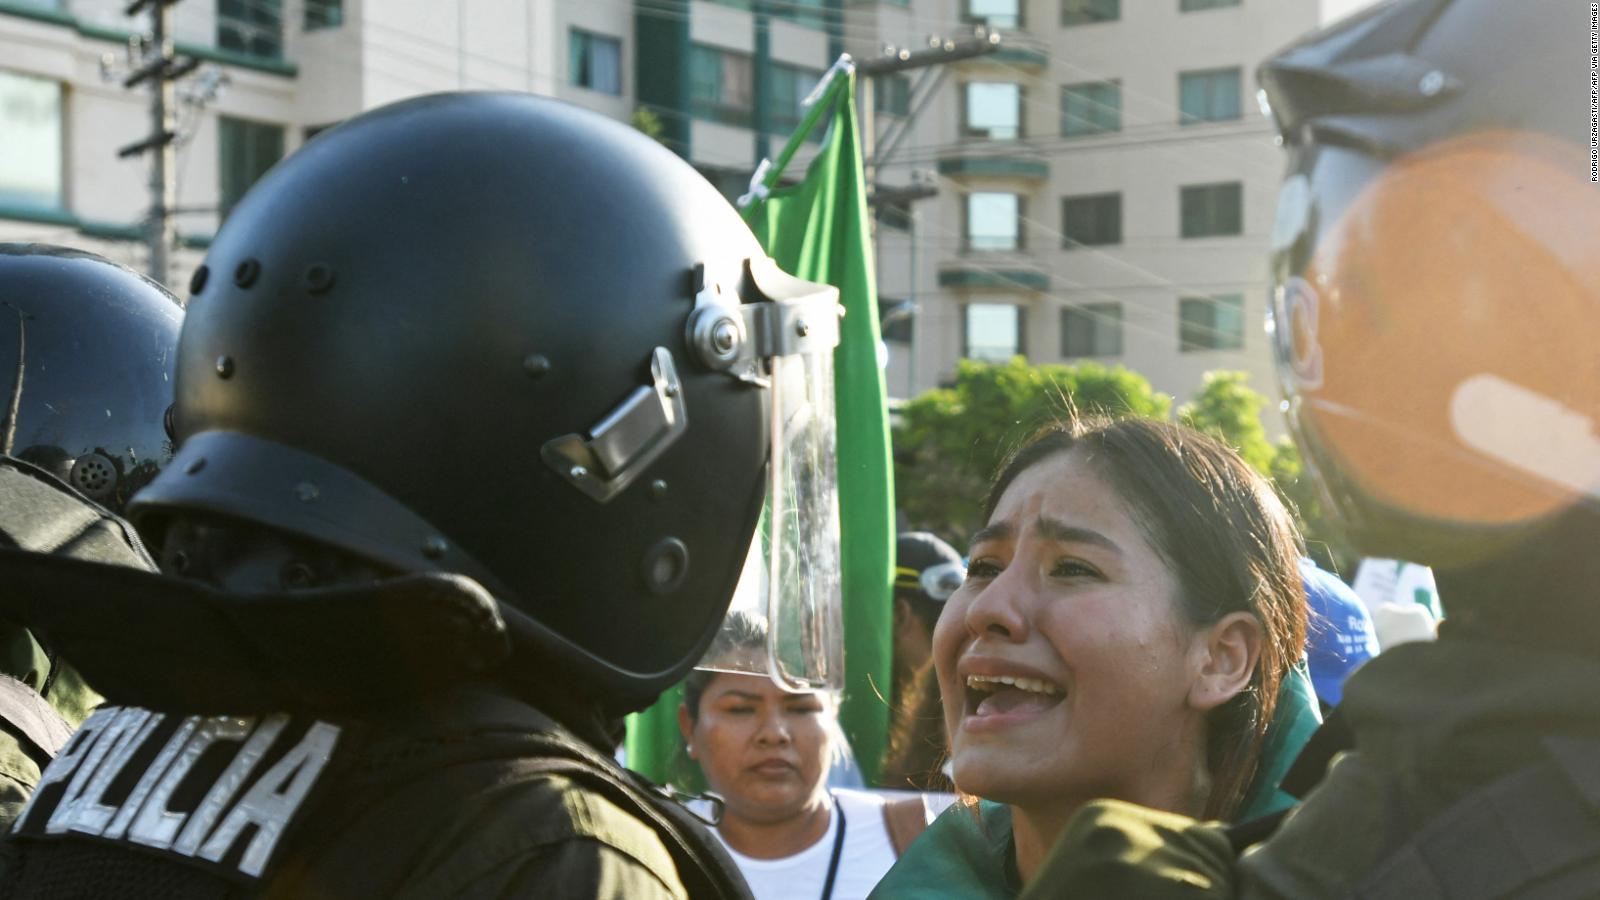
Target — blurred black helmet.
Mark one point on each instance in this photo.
(926, 566)
(86, 358)
(1436, 260)
(497, 335)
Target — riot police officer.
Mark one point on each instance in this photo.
(480, 397)
(1436, 267)
(86, 352)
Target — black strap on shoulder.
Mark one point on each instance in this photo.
(40, 730)
(1532, 834)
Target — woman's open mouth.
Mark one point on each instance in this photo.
(999, 701)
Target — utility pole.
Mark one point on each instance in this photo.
(158, 65)
(895, 59)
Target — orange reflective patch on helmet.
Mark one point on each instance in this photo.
(1459, 295)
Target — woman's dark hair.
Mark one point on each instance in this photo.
(740, 632)
(918, 744)
(1230, 542)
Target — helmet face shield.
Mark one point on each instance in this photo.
(790, 587)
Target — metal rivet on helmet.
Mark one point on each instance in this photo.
(658, 489)
(318, 278)
(197, 281)
(434, 547)
(246, 273)
(306, 492)
(224, 367)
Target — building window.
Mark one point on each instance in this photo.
(892, 212)
(720, 85)
(895, 321)
(1091, 107)
(251, 27)
(1087, 12)
(993, 332)
(808, 13)
(1211, 323)
(787, 88)
(324, 14)
(1092, 329)
(994, 221)
(1211, 210)
(993, 110)
(30, 149)
(731, 183)
(1194, 5)
(891, 95)
(594, 61)
(1091, 219)
(1209, 96)
(995, 13)
(246, 150)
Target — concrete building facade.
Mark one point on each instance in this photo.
(1102, 187)
(1107, 186)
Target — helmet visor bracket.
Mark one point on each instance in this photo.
(624, 443)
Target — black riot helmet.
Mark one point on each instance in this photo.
(1436, 258)
(86, 357)
(501, 336)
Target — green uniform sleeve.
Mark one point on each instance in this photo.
(571, 869)
(1116, 849)
(547, 838)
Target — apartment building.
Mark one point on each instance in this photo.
(1107, 187)
(1102, 187)
(276, 72)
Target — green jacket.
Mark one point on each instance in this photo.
(970, 854)
(964, 853)
(1433, 722)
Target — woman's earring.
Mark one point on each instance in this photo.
(689, 749)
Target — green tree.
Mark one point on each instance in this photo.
(648, 121)
(1227, 408)
(950, 441)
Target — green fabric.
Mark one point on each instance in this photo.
(1110, 848)
(818, 230)
(961, 854)
(653, 746)
(1433, 721)
(1293, 722)
(1116, 849)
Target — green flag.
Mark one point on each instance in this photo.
(817, 229)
